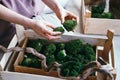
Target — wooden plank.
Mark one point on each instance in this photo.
(100, 26)
(29, 70)
(112, 56)
(108, 46)
(82, 12)
(21, 54)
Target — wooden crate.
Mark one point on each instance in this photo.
(97, 25)
(105, 43)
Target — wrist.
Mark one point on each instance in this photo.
(58, 11)
(29, 23)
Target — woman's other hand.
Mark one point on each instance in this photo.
(44, 29)
(64, 15)
(61, 13)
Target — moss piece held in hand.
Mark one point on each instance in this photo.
(70, 25)
(60, 28)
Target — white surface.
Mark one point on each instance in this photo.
(62, 3)
(21, 76)
(117, 55)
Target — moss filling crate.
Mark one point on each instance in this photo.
(105, 43)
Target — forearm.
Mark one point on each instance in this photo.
(54, 5)
(11, 16)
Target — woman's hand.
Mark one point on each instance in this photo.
(61, 13)
(40, 27)
(43, 28)
(64, 15)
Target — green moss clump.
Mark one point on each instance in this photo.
(70, 25)
(98, 9)
(31, 62)
(36, 44)
(60, 46)
(49, 49)
(73, 46)
(87, 54)
(70, 68)
(50, 59)
(107, 15)
(98, 12)
(60, 28)
(61, 54)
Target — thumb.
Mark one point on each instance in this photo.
(62, 19)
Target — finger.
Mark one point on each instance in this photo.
(62, 19)
(42, 35)
(47, 31)
(50, 25)
(74, 17)
(54, 33)
(49, 37)
(68, 18)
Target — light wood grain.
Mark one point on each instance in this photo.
(100, 26)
